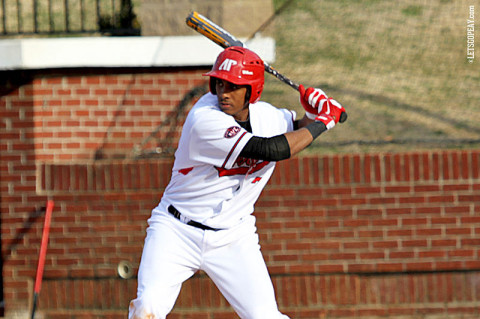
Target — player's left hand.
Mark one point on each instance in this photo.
(311, 100)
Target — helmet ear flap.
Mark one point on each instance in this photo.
(213, 84)
(248, 94)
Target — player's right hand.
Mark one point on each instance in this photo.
(311, 100)
(331, 113)
(316, 102)
(334, 109)
(327, 120)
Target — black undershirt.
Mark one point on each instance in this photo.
(246, 125)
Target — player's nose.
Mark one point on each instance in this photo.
(223, 93)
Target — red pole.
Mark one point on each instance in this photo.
(43, 253)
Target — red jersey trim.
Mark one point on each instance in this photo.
(233, 148)
(241, 170)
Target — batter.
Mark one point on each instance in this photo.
(227, 152)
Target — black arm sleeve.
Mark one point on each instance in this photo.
(316, 128)
(267, 148)
(276, 148)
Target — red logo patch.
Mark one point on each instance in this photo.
(232, 131)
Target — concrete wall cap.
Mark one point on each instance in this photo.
(170, 51)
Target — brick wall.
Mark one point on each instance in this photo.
(344, 236)
(81, 116)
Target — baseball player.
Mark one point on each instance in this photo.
(227, 152)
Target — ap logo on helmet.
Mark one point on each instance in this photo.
(227, 65)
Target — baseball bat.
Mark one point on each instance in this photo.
(42, 254)
(224, 39)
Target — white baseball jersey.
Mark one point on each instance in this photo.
(210, 183)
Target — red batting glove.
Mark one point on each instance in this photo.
(326, 119)
(334, 109)
(331, 113)
(311, 100)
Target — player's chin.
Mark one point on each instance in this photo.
(226, 108)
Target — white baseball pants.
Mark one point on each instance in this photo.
(174, 251)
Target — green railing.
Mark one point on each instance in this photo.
(61, 17)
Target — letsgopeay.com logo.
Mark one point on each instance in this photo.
(471, 34)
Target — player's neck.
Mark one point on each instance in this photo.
(243, 115)
(244, 121)
(246, 124)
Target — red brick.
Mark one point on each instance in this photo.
(466, 166)
(412, 200)
(357, 176)
(419, 266)
(444, 242)
(346, 170)
(462, 253)
(475, 164)
(337, 191)
(426, 188)
(414, 221)
(457, 209)
(428, 231)
(459, 231)
(363, 190)
(326, 170)
(367, 169)
(370, 234)
(432, 254)
(414, 243)
(387, 161)
(370, 212)
(384, 222)
(401, 254)
(398, 189)
(469, 198)
(355, 223)
(435, 167)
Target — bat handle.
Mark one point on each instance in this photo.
(284, 79)
(281, 77)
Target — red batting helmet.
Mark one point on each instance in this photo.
(239, 66)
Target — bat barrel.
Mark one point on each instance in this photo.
(224, 39)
